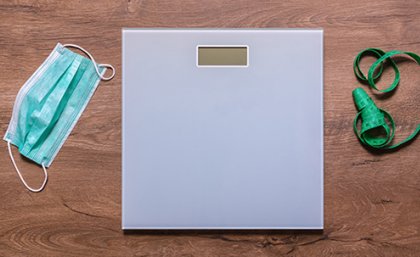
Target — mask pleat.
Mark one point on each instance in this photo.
(77, 101)
(45, 118)
(37, 95)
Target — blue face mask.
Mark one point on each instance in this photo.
(49, 104)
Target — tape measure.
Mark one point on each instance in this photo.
(378, 127)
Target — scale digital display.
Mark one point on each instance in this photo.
(222, 55)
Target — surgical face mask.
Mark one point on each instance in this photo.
(49, 104)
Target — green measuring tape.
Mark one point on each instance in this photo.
(375, 131)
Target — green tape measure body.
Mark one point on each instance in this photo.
(375, 131)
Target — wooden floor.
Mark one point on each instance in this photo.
(372, 200)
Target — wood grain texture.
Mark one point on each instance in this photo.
(372, 200)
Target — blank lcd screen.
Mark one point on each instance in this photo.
(222, 56)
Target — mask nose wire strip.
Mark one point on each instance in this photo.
(35, 190)
(107, 66)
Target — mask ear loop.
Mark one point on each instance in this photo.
(35, 190)
(107, 66)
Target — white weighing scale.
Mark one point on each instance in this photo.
(222, 129)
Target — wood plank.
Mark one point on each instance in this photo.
(372, 200)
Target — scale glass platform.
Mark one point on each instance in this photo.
(222, 129)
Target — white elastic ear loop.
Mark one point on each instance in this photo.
(107, 66)
(35, 190)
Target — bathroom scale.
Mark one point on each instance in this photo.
(222, 129)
